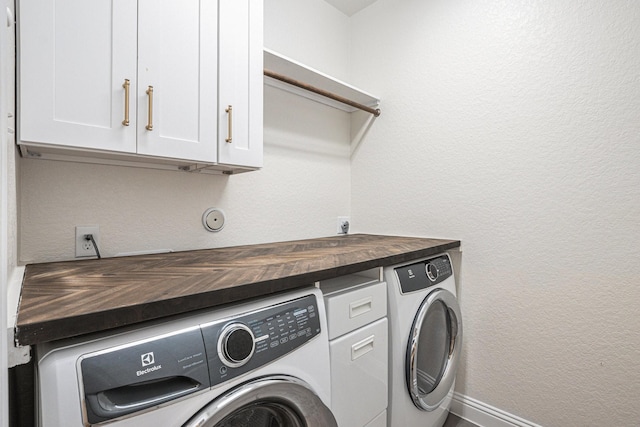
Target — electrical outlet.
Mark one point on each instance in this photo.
(343, 224)
(84, 247)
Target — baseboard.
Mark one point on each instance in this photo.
(485, 415)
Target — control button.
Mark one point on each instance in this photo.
(432, 271)
(262, 338)
(236, 345)
(239, 345)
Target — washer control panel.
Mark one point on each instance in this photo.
(424, 274)
(243, 343)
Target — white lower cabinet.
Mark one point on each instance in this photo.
(379, 421)
(142, 81)
(359, 374)
(358, 334)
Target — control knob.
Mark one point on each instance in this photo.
(236, 345)
(432, 272)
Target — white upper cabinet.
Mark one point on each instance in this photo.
(143, 81)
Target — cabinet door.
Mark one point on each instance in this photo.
(359, 374)
(74, 56)
(177, 55)
(240, 82)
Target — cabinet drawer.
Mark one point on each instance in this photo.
(353, 308)
(359, 374)
(379, 421)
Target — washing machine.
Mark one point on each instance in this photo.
(425, 333)
(261, 363)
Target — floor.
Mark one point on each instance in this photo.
(454, 421)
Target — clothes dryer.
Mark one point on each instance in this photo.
(261, 363)
(425, 335)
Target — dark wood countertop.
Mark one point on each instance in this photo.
(65, 299)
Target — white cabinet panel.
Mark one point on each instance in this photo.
(359, 374)
(353, 308)
(71, 72)
(241, 82)
(177, 57)
(379, 421)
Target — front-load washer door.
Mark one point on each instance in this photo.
(433, 350)
(278, 401)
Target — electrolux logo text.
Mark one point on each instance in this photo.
(148, 359)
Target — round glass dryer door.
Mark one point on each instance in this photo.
(434, 349)
(268, 402)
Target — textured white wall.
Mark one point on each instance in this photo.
(303, 187)
(515, 127)
(312, 32)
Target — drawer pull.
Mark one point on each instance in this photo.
(363, 347)
(126, 86)
(360, 307)
(229, 111)
(149, 126)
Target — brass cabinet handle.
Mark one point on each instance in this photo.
(126, 85)
(229, 111)
(150, 123)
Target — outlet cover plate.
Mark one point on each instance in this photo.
(84, 248)
(341, 221)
